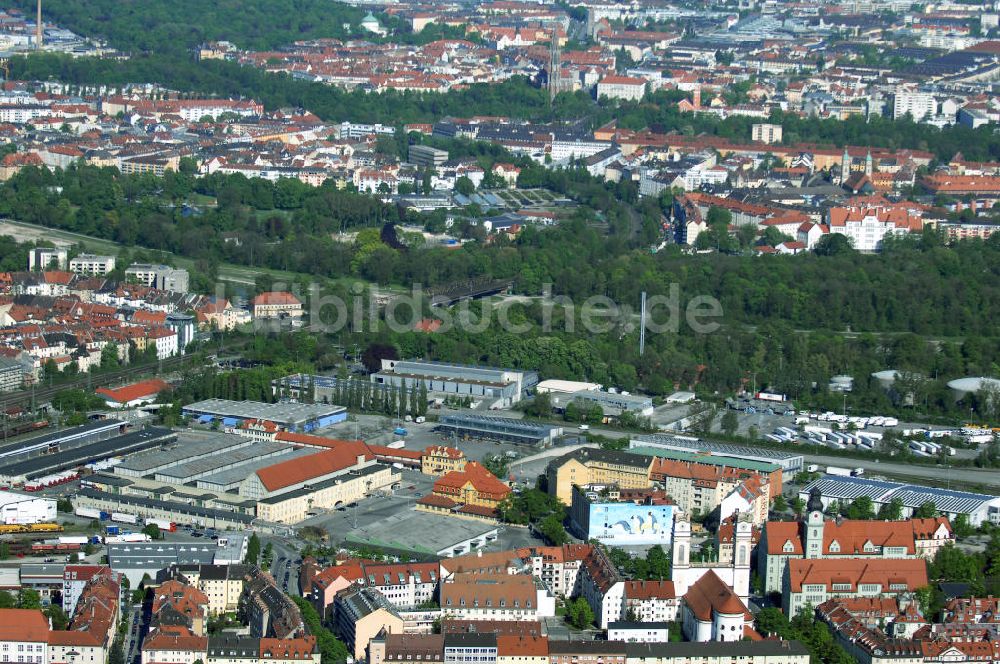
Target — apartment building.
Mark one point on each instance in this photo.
(75, 578)
(276, 304)
(744, 652)
(626, 88)
(92, 265)
(360, 614)
(11, 375)
(399, 648)
(220, 314)
(558, 567)
(602, 587)
(268, 611)
(175, 602)
(867, 227)
(639, 632)
(766, 133)
(161, 277)
(919, 105)
(496, 597)
(648, 601)
(405, 585)
(522, 649)
(221, 585)
(814, 581)
(470, 649)
(46, 258)
(816, 537)
(597, 466)
(174, 647)
(700, 485)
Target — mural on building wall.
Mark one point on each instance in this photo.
(625, 523)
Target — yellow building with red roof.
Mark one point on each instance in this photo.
(472, 492)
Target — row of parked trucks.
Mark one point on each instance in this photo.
(826, 436)
(54, 479)
(115, 533)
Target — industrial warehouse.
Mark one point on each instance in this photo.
(499, 428)
(286, 416)
(200, 477)
(504, 386)
(791, 462)
(55, 459)
(978, 508)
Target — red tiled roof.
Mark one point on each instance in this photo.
(160, 640)
(312, 441)
(134, 391)
(300, 648)
(432, 500)
(649, 590)
(710, 594)
(478, 510)
(443, 450)
(23, 625)
(910, 573)
(481, 479)
(557, 554)
(302, 469)
(621, 80)
(275, 297)
(522, 646)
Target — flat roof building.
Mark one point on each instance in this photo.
(425, 155)
(406, 532)
(193, 446)
(74, 436)
(92, 265)
(175, 510)
(611, 403)
(790, 462)
(979, 508)
(136, 559)
(507, 386)
(22, 469)
(500, 428)
(287, 416)
(21, 508)
(162, 277)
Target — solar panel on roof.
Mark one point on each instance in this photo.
(911, 495)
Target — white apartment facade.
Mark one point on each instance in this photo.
(919, 105)
(93, 265)
(625, 88)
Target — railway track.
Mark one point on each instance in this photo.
(43, 393)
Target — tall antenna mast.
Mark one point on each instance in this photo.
(642, 325)
(38, 27)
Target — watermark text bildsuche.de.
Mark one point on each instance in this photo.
(367, 308)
